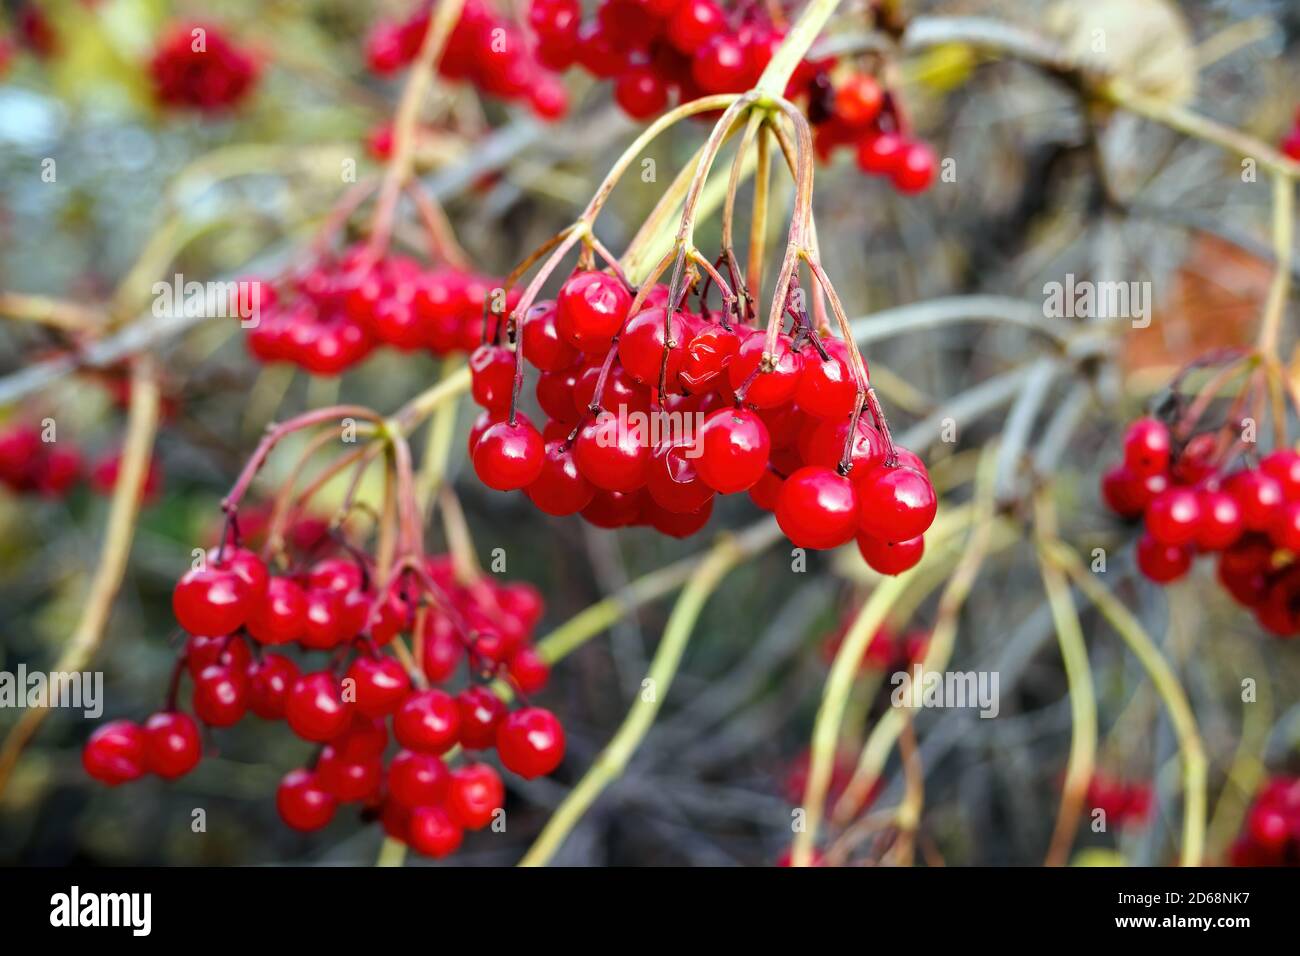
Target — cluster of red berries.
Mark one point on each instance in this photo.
(619, 453)
(196, 66)
(1271, 834)
(1123, 803)
(653, 49)
(29, 464)
(1249, 517)
(330, 316)
(861, 114)
(1291, 142)
(483, 49)
(235, 610)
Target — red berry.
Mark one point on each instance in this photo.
(765, 389)
(641, 346)
(734, 447)
(560, 488)
(1146, 447)
(381, 684)
(721, 64)
(886, 557)
(880, 154)
(315, 708)
(591, 308)
(475, 795)
(1284, 465)
(531, 742)
(675, 524)
(708, 358)
(481, 712)
(817, 508)
(210, 600)
(1221, 523)
(914, 168)
(269, 681)
(220, 695)
(1286, 532)
(417, 779)
(347, 776)
(528, 671)
(1260, 497)
(172, 746)
(508, 457)
(895, 504)
(433, 832)
(674, 482)
(859, 99)
(543, 345)
(492, 377)
(116, 752)
(280, 617)
(640, 92)
(428, 722)
(823, 444)
(1174, 516)
(613, 453)
(694, 22)
(827, 387)
(303, 803)
(1162, 563)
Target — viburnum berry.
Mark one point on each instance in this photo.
(823, 444)
(590, 310)
(432, 831)
(693, 23)
(116, 752)
(914, 168)
(428, 722)
(269, 680)
(220, 695)
(765, 389)
(1260, 496)
(212, 76)
(530, 742)
(210, 600)
(474, 795)
(1221, 523)
(720, 64)
(349, 777)
(172, 745)
(734, 447)
(315, 709)
(528, 671)
(895, 504)
(817, 508)
(560, 488)
(1162, 563)
(481, 713)
(881, 154)
(859, 99)
(1174, 516)
(708, 358)
(827, 387)
(508, 457)
(641, 346)
(543, 345)
(418, 779)
(891, 557)
(1146, 447)
(640, 92)
(303, 803)
(1284, 466)
(280, 617)
(674, 482)
(201, 651)
(381, 684)
(492, 377)
(611, 455)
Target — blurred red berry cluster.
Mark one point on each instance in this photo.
(30, 464)
(196, 66)
(1271, 834)
(1249, 517)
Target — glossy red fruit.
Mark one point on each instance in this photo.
(673, 481)
(734, 448)
(531, 742)
(220, 695)
(694, 22)
(280, 617)
(248, 567)
(1146, 447)
(474, 796)
(859, 99)
(1286, 531)
(641, 346)
(640, 92)
(323, 624)
(481, 712)
(1162, 563)
(172, 745)
(508, 457)
(915, 168)
(210, 600)
(1284, 466)
(614, 509)
(543, 345)
(417, 779)
(1174, 516)
(380, 683)
(1221, 522)
(303, 803)
(591, 308)
(720, 64)
(1260, 497)
(492, 377)
(269, 681)
(707, 359)
(676, 524)
(823, 444)
(613, 452)
(879, 155)
(528, 671)
(428, 722)
(827, 387)
(201, 651)
(886, 557)
(347, 777)
(433, 832)
(560, 488)
(116, 752)
(315, 709)
(765, 389)
(895, 504)
(817, 508)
